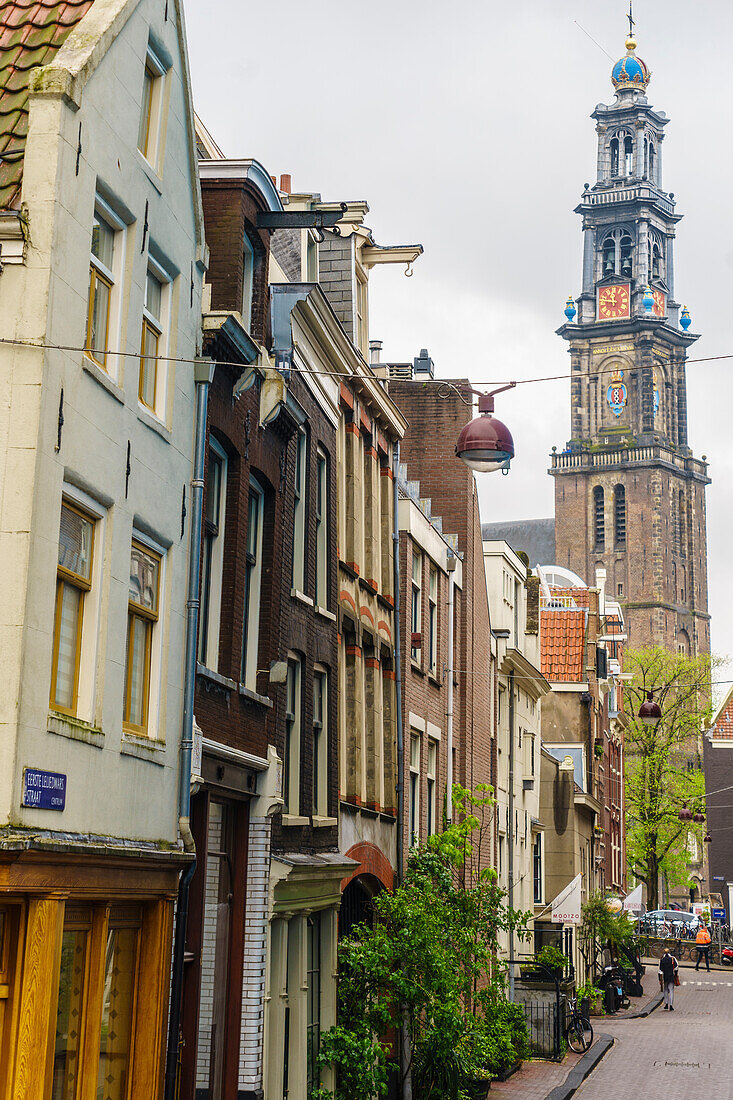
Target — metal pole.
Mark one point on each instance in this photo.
(511, 832)
(203, 376)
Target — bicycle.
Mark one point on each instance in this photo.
(578, 1031)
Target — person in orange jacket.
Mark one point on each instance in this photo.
(702, 942)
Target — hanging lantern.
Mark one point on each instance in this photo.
(699, 818)
(648, 299)
(650, 712)
(685, 814)
(485, 444)
(707, 838)
(570, 309)
(685, 319)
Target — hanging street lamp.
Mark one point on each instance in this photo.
(650, 711)
(485, 444)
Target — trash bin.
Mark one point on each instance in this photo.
(610, 999)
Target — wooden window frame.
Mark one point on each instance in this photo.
(293, 735)
(154, 69)
(150, 618)
(322, 541)
(67, 576)
(253, 590)
(433, 620)
(300, 510)
(212, 562)
(320, 744)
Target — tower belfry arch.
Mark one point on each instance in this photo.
(628, 338)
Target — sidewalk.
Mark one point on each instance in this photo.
(536, 1079)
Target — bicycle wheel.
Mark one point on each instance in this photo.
(656, 950)
(579, 1036)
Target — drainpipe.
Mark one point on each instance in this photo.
(400, 788)
(449, 710)
(510, 837)
(203, 374)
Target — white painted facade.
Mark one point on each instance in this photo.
(125, 465)
(518, 673)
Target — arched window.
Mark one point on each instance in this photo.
(625, 250)
(619, 517)
(614, 156)
(681, 521)
(609, 256)
(655, 255)
(652, 163)
(599, 518)
(629, 156)
(646, 158)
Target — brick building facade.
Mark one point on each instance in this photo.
(428, 451)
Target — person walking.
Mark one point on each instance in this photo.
(668, 978)
(702, 943)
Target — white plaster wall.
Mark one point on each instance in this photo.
(109, 790)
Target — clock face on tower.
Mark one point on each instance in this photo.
(614, 302)
(660, 305)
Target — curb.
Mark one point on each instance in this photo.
(582, 1069)
(646, 1011)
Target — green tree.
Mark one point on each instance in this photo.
(663, 766)
(428, 966)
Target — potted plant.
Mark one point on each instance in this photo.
(553, 959)
(595, 998)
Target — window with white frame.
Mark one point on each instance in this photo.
(252, 584)
(291, 752)
(433, 621)
(73, 583)
(142, 618)
(152, 378)
(432, 786)
(416, 603)
(150, 126)
(320, 742)
(321, 569)
(414, 791)
(102, 268)
(300, 510)
(248, 267)
(537, 868)
(212, 557)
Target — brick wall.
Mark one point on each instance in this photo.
(428, 449)
(336, 277)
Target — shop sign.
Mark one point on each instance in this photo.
(43, 790)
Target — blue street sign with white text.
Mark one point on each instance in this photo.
(43, 790)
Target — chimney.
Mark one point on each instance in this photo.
(286, 184)
(375, 347)
(601, 586)
(423, 365)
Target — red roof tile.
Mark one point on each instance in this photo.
(31, 33)
(722, 729)
(562, 644)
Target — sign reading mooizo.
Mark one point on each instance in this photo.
(43, 790)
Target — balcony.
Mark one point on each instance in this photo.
(629, 457)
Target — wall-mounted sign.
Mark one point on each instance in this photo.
(43, 790)
(607, 348)
(614, 302)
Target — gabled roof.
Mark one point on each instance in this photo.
(562, 644)
(722, 727)
(31, 33)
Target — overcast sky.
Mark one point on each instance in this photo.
(465, 127)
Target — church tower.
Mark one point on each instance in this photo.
(629, 495)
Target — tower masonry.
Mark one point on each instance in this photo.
(629, 495)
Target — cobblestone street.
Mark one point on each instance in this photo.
(671, 1056)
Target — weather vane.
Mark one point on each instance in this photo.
(632, 22)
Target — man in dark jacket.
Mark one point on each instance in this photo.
(668, 969)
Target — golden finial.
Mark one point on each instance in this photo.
(630, 44)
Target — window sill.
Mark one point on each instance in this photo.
(254, 696)
(416, 667)
(323, 822)
(105, 380)
(152, 422)
(143, 748)
(326, 614)
(215, 678)
(434, 679)
(65, 725)
(294, 819)
(151, 173)
(298, 595)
